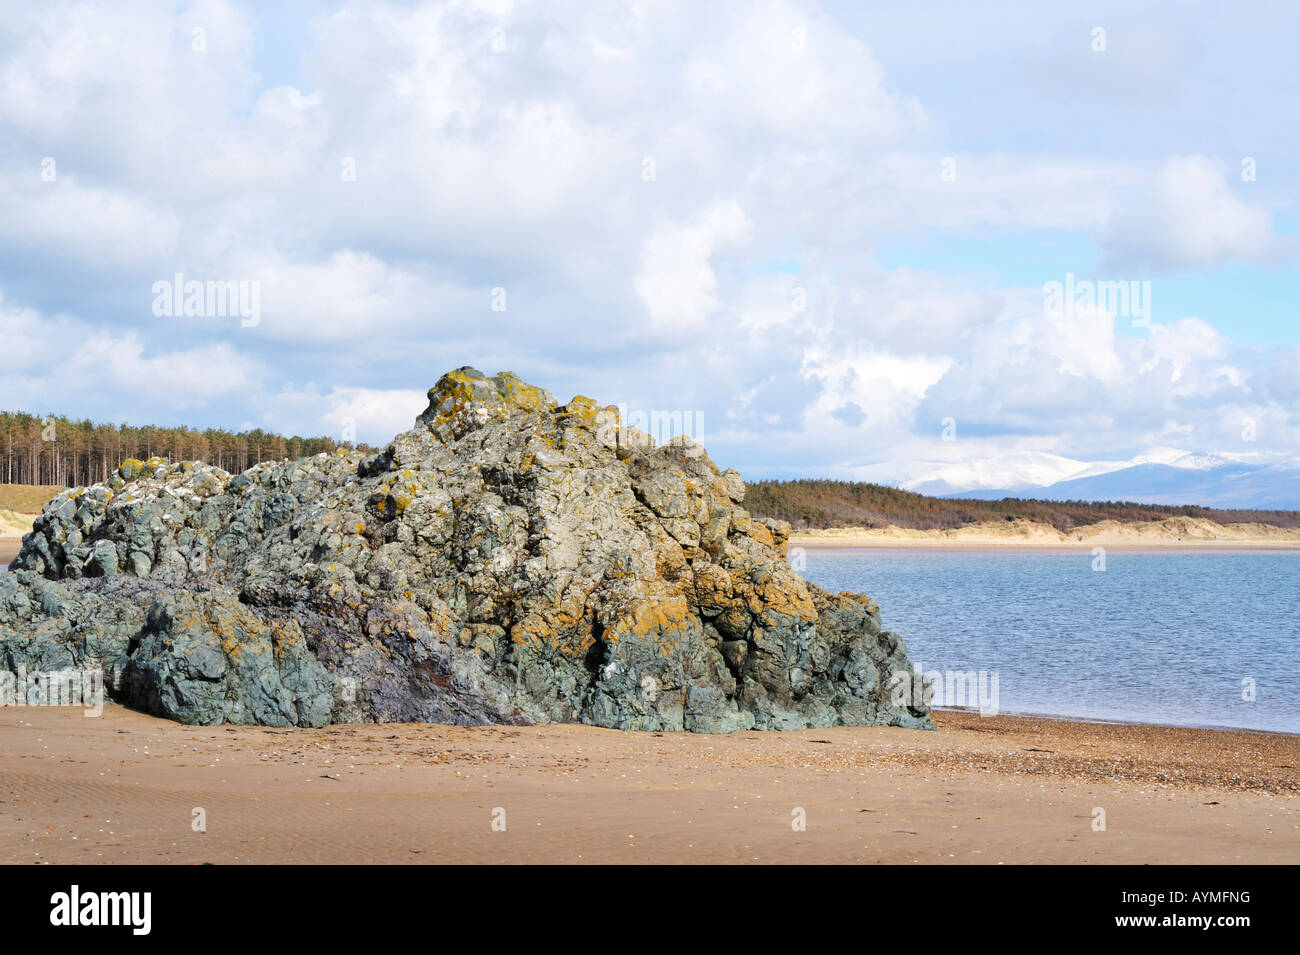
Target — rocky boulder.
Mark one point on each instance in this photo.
(508, 560)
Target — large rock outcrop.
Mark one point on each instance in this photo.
(508, 560)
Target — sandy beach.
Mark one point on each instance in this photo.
(124, 787)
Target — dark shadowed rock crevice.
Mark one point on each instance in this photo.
(508, 560)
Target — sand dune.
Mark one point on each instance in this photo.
(12, 528)
(14, 524)
(123, 788)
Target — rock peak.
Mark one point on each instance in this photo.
(507, 560)
(466, 398)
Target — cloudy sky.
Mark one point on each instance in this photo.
(824, 229)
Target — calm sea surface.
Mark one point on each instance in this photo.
(1166, 637)
(1163, 637)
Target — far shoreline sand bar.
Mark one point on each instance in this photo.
(1173, 534)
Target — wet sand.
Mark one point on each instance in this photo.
(122, 788)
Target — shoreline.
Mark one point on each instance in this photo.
(122, 789)
(1102, 721)
(865, 543)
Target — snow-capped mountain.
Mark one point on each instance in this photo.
(1158, 476)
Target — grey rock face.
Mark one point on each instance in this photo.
(508, 560)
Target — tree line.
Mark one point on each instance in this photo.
(57, 450)
(819, 504)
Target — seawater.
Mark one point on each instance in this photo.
(1176, 637)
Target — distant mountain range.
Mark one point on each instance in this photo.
(1161, 476)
